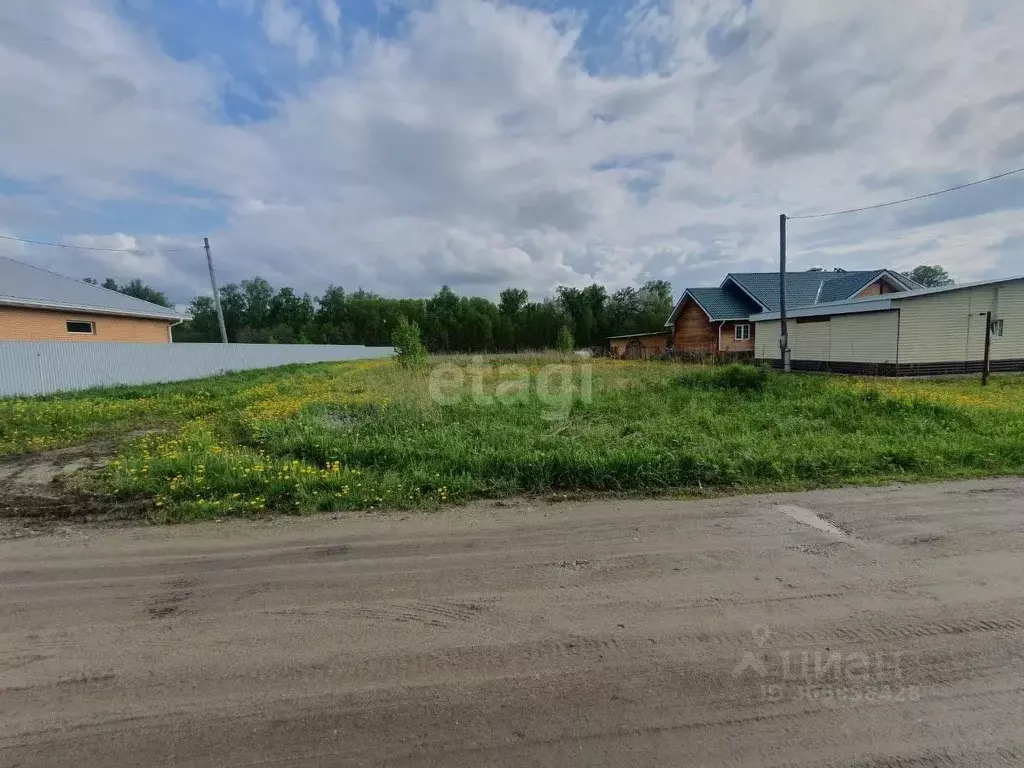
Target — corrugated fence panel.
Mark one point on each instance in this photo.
(44, 367)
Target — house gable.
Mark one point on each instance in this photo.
(693, 328)
(886, 282)
(722, 303)
(732, 282)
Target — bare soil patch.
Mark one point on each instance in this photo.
(41, 491)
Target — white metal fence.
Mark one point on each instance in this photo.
(44, 367)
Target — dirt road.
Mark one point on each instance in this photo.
(872, 627)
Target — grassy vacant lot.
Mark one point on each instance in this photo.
(370, 434)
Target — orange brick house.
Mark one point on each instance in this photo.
(38, 305)
(718, 319)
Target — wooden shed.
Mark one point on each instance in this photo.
(639, 346)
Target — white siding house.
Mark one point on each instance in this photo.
(932, 330)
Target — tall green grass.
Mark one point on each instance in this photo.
(353, 438)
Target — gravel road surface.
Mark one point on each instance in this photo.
(866, 627)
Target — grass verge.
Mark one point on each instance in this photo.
(370, 434)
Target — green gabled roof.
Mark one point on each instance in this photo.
(845, 286)
(808, 288)
(723, 303)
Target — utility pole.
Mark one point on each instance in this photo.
(216, 293)
(986, 363)
(783, 330)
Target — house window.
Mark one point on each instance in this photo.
(80, 326)
(997, 329)
(742, 331)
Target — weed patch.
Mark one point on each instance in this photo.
(367, 435)
(734, 376)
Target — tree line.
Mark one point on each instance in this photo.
(257, 313)
(135, 288)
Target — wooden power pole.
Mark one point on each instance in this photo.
(216, 293)
(986, 362)
(783, 329)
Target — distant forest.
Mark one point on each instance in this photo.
(257, 313)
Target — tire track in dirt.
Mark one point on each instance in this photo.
(605, 634)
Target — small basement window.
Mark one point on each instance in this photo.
(742, 331)
(81, 326)
(997, 329)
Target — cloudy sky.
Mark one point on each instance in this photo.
(401, 144)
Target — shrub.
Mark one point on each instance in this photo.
(565, 341)
(743, 378)
(409, 349)
(735, 376)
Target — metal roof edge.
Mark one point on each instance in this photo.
(831, 308)
(710, 317)
(949, 288)
(908, 282)
(679, 305)
(849, 306)
(675, 311)
(15, 301)
(743, 288)
(697, 302)
(871, 280)
(635, 335)
(896, 277)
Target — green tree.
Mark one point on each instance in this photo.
(294, 312)
(511, 301)
(202, 324)
(233, 305)
(633, 310)
(409, 349)
(256, 296)
(140, 290)
(135, 288)
(655, 305)
(565, 341)
(585, 308)
(932, 276)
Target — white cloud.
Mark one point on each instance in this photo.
(331, 12)
(476, 149)
(284, 25)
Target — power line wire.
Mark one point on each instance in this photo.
(908, 199)
(97, 248)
